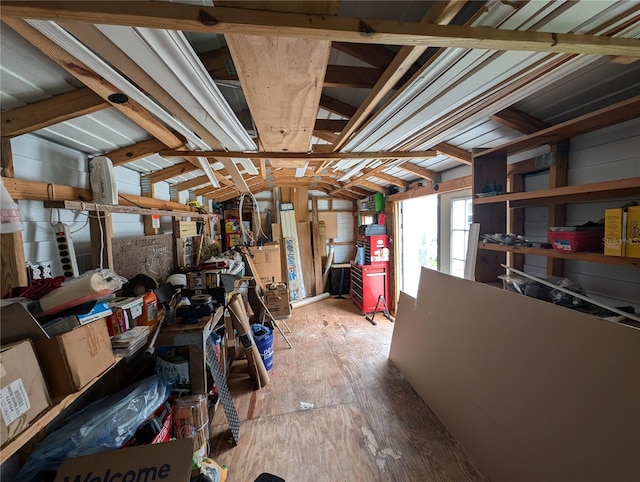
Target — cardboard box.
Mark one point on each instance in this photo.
(72, 360)
(170, 462)
(613, 232)
(125, 313)
(187, 229)
(267, 262)
(23, 391)
(277, 301)
(633, 232)
(63, 324)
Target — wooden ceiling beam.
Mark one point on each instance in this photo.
(97, 41)
(613, 114)
(428, 154)
(272, 69)
(337, 76)
(360, 193)
(169, 172)
(131, 109)
(191, 183)
(396, 69)
(372, 186)
(454, 152)
(219, 63)
(376, 55)
(370, 173)
(135, 151)
(420, 171)
(51, 111)
(519, 121)
(386, 177)
(326, 136)
(329, 125)
(221, 20)
(347, 77)
(337, 106)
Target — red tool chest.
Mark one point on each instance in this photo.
(371, 279)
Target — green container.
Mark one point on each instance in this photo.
(379, 201)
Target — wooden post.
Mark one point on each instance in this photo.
(12, 260)
(490, 170)
(390, 209)
(317, 252)
(515, 221)
(558, 212)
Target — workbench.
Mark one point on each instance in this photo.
(195, 337)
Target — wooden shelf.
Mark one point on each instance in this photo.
(86, 206)
(47, 417)
(597, 191)
(552, 253)
(605, 117)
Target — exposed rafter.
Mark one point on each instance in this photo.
(329, 125)
(169, 172)
(376, 55)
(454, 152)
(337, 106)
(386, 177)
(398, 67)
(337, 76)
(420, 171)
(519, 121)
(370, 185)
(135, 151)
(53, 110)
(222, 20)
(100, 86)
(305, 156)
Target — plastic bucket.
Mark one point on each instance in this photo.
(263, 337)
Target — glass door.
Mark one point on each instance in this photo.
(419, 240)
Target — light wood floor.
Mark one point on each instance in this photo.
(365, 422)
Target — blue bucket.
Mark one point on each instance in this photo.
(264, 341)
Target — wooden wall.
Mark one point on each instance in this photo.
(38, 159)
(534, 392)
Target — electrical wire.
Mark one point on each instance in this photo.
(243, 230)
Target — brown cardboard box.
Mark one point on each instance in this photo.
(614, 232)
(633, 232)
(169, 461)
(278, 301)
(72, 360)
(267, 262)
(23, 391)
(187, 229)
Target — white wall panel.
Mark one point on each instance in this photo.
(607, 154)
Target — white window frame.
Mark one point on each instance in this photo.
(467, 224)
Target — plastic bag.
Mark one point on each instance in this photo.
(534, 289)
(109, 279)
(103, 425)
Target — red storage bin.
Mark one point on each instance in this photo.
(572, 241)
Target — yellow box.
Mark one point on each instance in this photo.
(633, 232)
(187, 229)
(613, 243)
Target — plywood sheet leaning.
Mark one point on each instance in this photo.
(533, 391)
(150, 255)
(294, 273)
(306, 257)
(330, 220)
(292, 261)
